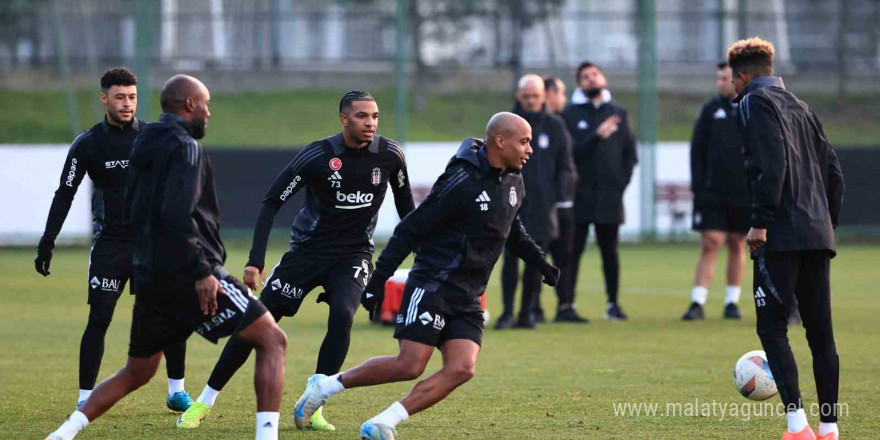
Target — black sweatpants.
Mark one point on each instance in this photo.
(531, 283)
(561, 250)
(779, 278)
(607, 238)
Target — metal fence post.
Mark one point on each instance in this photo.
(647, 95)
(143, 17)
(401, 103)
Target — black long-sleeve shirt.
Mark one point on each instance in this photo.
(172, 205)
(102, 153)
(459, 230)
(795, 181)
(718, 170)
(345, 188)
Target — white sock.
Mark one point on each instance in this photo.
(83, 395)
(828, 428)
(395, 414)
(331, 385)
(267, 425)
(72, 426)
(699, 295)
(175, 386)
(797, 420)
(731, 294)
(208, 396)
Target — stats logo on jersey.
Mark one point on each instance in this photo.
(376, 176)
(116, 164)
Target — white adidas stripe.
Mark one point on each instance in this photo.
(413, 308)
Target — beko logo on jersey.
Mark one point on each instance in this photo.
(116, 163)
(360, 200)
(72, 173)
(289, 189)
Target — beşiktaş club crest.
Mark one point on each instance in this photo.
(543, 140)
(376, 177)
(512, 196)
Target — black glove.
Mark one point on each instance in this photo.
(374, 295)
(44, 257)
(551, 274)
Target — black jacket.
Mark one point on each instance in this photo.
(172, 206)
(795, 181)
(459, 230)
(547, 175)
(718, 170)
(102, 153)
(604, 166)
(344, 190)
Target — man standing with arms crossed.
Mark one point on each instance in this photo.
(605, 153)
(721, 196)
(102, 153)
(180, 284)
(796, 190)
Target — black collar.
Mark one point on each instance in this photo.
(134, 125)
(760, 82)
(338, 144)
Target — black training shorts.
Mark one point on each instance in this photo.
(166, 316)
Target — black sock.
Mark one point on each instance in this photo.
(175, 360)
(336, 342)
(91, 348)
(235, 354)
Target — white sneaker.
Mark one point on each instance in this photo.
(376, 431)
(309, 402)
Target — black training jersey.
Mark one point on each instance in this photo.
(344, 189)
(102, 153)
(460, 229)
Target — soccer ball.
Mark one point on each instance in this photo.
(753, 377)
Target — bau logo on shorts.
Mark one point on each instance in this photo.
(437, 319)
(286, 289)
(105, 284)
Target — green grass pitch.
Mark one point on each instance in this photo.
(560, 382)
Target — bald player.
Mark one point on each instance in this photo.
(179, 281)
(460, 229)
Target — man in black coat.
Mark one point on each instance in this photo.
(796, 190)
(545, 178)
(605, 154)
(721, 196)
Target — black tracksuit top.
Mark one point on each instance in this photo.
(172, 206)
(459, 230)
(795, 181)
(718, 170)
(604, 166)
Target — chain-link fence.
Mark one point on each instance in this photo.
(836, 35)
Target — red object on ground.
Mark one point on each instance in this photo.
(394, 296)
